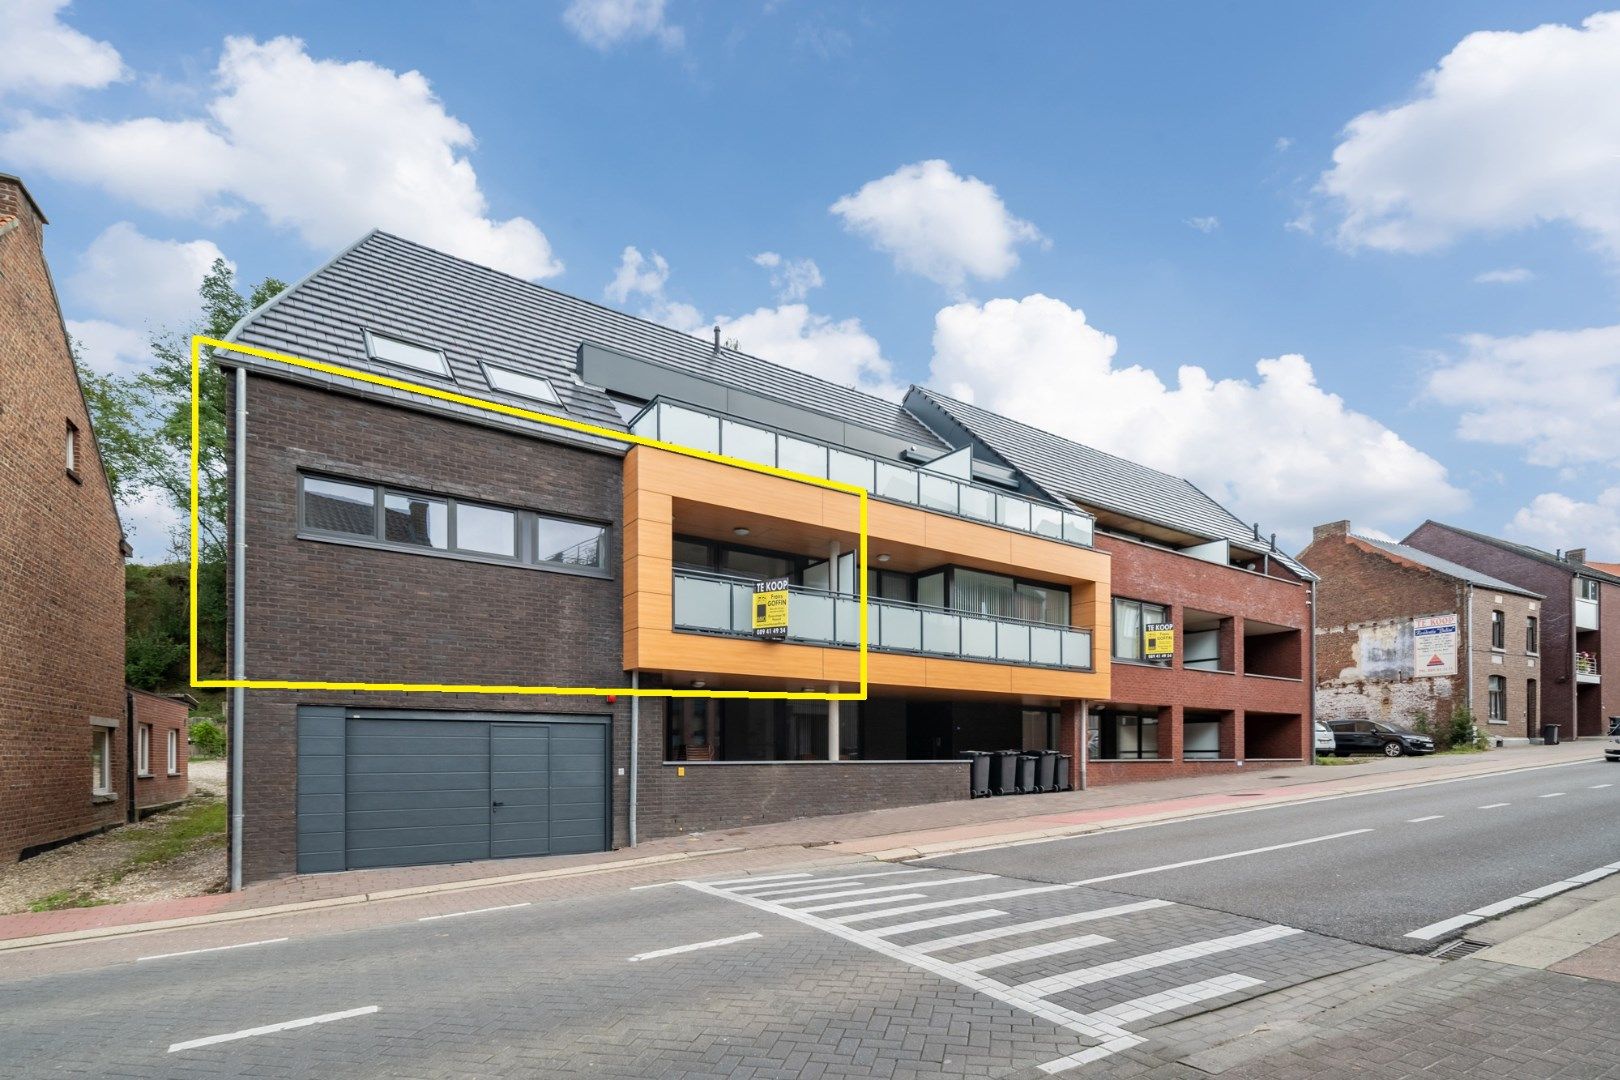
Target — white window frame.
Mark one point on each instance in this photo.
(174, 751)
(143, 758)
(539, 388)
(72, 448)
(101, 779)
(441, 368)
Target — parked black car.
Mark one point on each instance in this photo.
(1370, 737)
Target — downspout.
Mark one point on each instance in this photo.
(1085, 739)
(238, 622)
(1310, 706)
(635, 747)
(129, 759)
(1470, 667)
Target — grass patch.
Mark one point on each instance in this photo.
(66, 898)
(1334, 759)
(179, 832)
(1463, 749)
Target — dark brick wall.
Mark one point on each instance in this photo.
(161, 787)
(61, 570)
(329, 612)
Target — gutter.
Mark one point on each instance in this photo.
(635, 744)
(238, 624)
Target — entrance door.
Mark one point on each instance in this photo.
(519, 789)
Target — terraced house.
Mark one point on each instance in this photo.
(385, 535)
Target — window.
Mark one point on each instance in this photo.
(712, 729)
(415, 521)
(1587, 588)
(143, 757)
(521, 384)
(1531, 701)
(101, 761)
(1117, 736)
(174, 752)
(72, 449)
(404, 354)
(1496, 696)
(1498, 630)
(1532, 642)
(1008, 598)
(1131, 617)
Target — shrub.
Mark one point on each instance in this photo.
(1463, 732)
(207, 739)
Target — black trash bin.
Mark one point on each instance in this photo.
(1003, 772)
(1063, 773)
(978, 773)
(1046, 779)
(1029, 769)
(1549, 734)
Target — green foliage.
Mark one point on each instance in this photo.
(66, 898)
(1462, 732)
(207, 739)
(198, 821)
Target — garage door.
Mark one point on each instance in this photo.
(430, 790)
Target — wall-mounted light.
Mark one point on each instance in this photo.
(884, 558)
(741, 530)
(698, 684)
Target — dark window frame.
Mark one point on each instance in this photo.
(1113, 608)
(1496, 699)
(1532, 635)
(1498, 629)
(525, 523)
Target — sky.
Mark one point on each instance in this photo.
(1326, 262)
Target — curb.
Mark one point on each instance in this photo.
(91, 933)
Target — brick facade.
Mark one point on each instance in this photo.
(61, 566)
(1238, 597)
(160, 786)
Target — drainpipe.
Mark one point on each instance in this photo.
(1310, 705)
(635, 747)
(129, 740)
(238, 623)
(1470, 676)
(1085, 739)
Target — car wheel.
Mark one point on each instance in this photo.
(1393, 749)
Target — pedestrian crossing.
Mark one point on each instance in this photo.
(1038, 965)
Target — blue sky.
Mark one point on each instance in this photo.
(1048, 207)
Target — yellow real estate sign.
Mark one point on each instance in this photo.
(771, 609)
(1158, 640)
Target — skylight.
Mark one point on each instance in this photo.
(521, 384)
(404, 354)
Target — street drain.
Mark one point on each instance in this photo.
(1456, 950)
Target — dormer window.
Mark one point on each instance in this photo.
(404, 354)
(521, 384)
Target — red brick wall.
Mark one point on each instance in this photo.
(161, 787)
(1144, 572)
(61, 571)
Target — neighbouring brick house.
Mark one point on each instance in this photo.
(1404, 636)
(1580, 628)
(64, 762)
(162, 754)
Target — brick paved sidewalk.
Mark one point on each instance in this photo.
(937, 826)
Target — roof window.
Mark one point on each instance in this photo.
(520, 383)
(404, 354)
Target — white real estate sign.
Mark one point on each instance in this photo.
(1434, 646)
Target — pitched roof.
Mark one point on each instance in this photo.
(1526, 551)
(472, 313)
(1098, 479)
(1447, 567)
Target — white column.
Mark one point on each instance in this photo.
(832, 726)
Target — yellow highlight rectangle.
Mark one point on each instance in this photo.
(197, 343)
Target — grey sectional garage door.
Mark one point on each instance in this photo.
(430, 790)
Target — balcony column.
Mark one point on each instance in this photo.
(832, 725)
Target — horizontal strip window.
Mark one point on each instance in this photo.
(414, 521)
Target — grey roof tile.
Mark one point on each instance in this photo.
(1447, 567)
(1527, 551)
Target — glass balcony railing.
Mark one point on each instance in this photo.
(723, 605)
(685, 425)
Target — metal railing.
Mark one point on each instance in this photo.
(686, 425)
(717, 604)
(1586, 664)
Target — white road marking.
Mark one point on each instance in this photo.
(1219, 858)
(1128, 1012)
(938, 920)
(1529, 896)
(941, 944)
(1494, 805)
(654, 885)
(1552, 794)
(1431, 817)
(1596, 786)
(1033, 952)
(757, 879)
(951, 903)
(694, 947)
(1055, 984)
(474, 911)
(810, 886)
(878, 889)
(216, 948)
(288, 1025)
(870, 901)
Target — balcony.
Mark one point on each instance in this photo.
(685, 425)
(711, 603)
(1586, 668)
(1586, 613)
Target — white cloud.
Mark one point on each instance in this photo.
(934, 223)
(1556, 393)
(1557, 522)
(110, 348)
(324, 148)
(1507, 275)
(151, 524)
(1281, 451)
(791, 278)
(1510, 130)
(1282, 144)
(131, 278)
(639, 282)
(44, 56)
(602, 24)
(839, 350)
(1205, 225)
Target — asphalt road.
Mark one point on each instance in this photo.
(1427, 854)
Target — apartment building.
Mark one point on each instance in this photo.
(63, 725)
(1580, 631)
(1405, 637)
(389, 536)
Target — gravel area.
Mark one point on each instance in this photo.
(207, 777)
